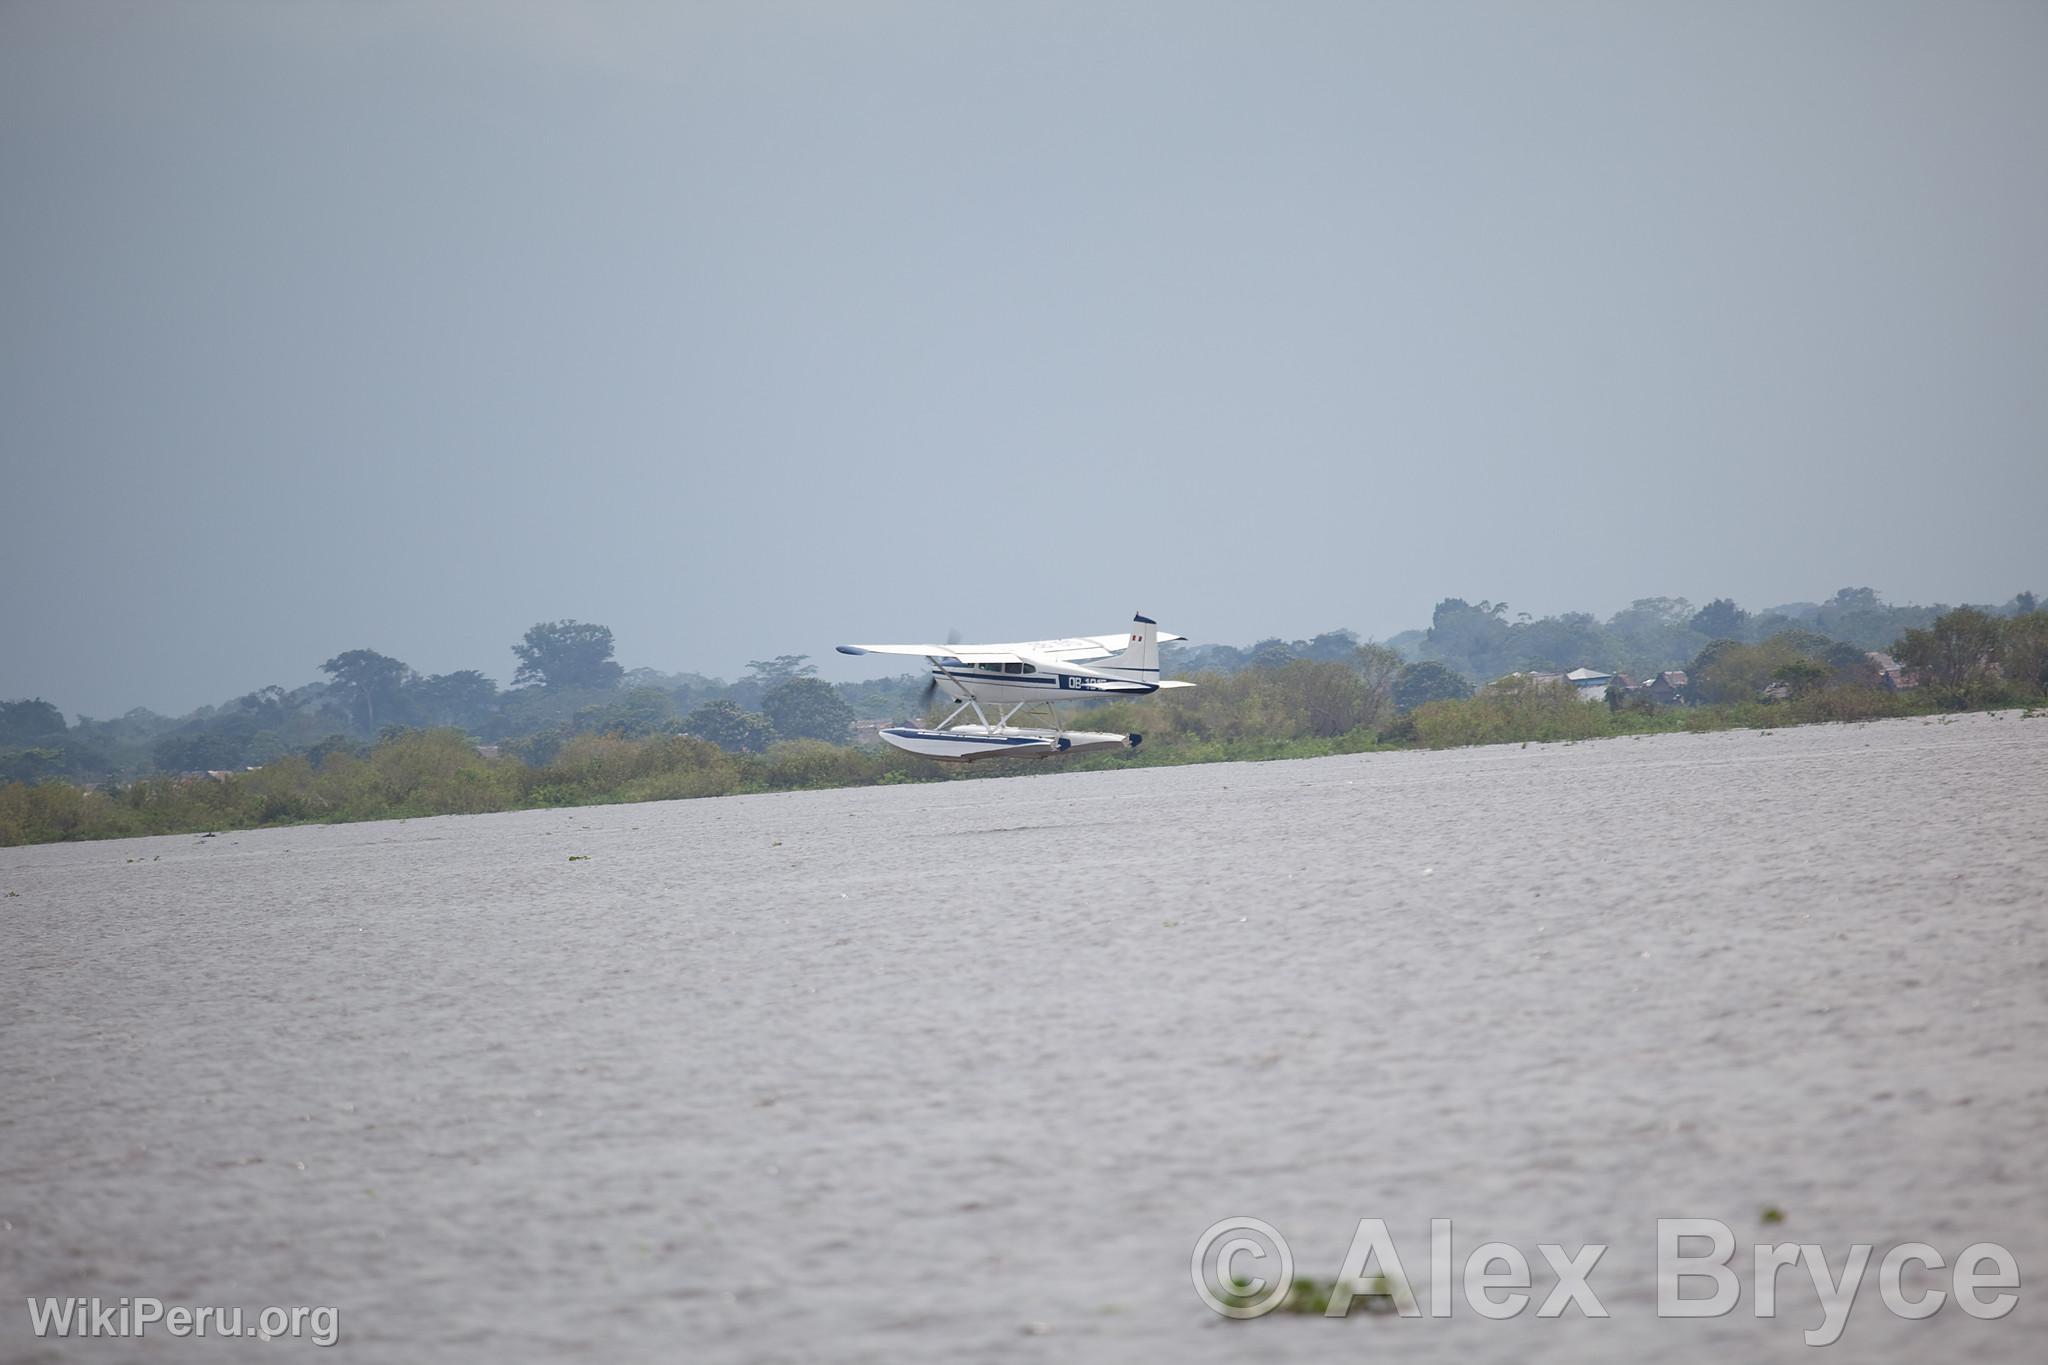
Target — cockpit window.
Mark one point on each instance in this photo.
(1013, 668)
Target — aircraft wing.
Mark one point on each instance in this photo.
(913, 651)
(1074, 649)
(966, 654)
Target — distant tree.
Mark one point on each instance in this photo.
(199, 751)
(1428, 681)
(1770, 623)
(1721, 619)
(807, 708)
(1673, 611)
(1475, 639)
(265, 703)
(558, 654)
(1848, 666)
(1728, 670)
(641, 712)
(1857, 616)
(334, 744)
(1800, 676)
(781, 668)
(2025, 604)
(463, 699)
(1721, 672)
(1182, 661)
(31, 764)
(1956, 652)
(24, 721)
(1652, 633)
(688, 689)
(727, 726)
(1271, 653)
(2023, 649)
(1334, 645)
(1377, 666)
(884, 698)
(369, 682)
(1809, 643)
(1323, 697)
(1565, 642)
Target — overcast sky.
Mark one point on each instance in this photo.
(751, 328)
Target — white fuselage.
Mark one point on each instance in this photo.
(1006, 684)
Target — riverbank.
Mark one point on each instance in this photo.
(440, 772)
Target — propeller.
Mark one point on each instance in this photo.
(931, 684)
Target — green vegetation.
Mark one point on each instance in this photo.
(1485, 640)
(560, 654)
(1429, 681)
(1311, 1297)
(379, 741)
(428, 772)
(566, 685)
(805, 708)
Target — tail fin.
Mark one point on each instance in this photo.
(1140, 659)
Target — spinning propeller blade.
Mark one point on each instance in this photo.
(931, 682)
(931, 686)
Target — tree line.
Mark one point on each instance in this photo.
(569, 686)
(1293, 708)
(1484, 640)
(567, 683)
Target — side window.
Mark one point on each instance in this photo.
(1030, 669)
(1013, 668)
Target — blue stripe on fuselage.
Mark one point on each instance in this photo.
(978, 676)
(1061, 682)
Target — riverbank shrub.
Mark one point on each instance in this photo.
(441, 772)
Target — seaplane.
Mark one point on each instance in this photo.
(1033, 678)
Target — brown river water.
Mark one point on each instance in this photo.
(962, 1072)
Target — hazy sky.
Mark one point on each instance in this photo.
(750, 328)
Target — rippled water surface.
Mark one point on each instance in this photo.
(944, 1073)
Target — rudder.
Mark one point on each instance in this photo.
(1140, 659)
